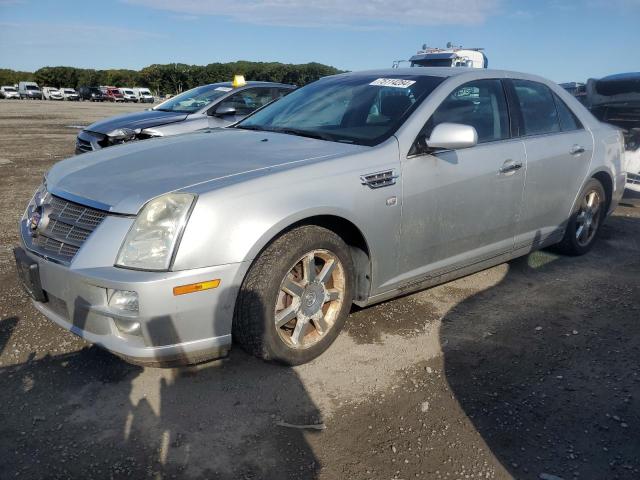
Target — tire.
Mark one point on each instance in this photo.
(319, 308)
(585, 221)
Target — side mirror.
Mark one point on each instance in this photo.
(452, 136)
(224, 112)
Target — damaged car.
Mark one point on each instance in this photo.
(616, 100)
(207, 106)
(356, 188)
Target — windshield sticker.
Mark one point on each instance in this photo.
(392, 82)
(223, 89)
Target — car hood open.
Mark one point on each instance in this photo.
(124, 177)
(145, 119)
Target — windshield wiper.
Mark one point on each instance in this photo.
(257, 128)
(304, 133)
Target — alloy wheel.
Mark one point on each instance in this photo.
(588, 218)
(310, 299)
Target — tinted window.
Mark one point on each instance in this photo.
(363, 109)
(481, 104)
(568, 120)
(246, 101)
(538, 108)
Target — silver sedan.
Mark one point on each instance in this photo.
(354, 189)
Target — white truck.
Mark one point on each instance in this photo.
(452, 56)
(144, 95)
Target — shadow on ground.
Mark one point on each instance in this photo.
(89, 414)
(549, 374)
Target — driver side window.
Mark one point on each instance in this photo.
(481, 104)
(246, 101)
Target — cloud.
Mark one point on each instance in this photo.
(340, 13)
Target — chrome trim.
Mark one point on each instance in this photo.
(381, 179)
(85, 202)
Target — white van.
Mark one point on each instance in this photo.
(128, 94)
(29, 90)
(144, 95)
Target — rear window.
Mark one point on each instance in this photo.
(568, 120)
(538, 108)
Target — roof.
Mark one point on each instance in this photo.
(252, 84)
(434, 56)
(622, 76)
(434, 72)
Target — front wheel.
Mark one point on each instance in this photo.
(295, 297)
(584, 224)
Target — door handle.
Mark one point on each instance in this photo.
(576, 150)
(511, 167)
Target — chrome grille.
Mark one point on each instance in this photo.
(70, 224)
(633, 179)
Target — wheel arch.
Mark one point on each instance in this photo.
(342, 226)
(606, 180)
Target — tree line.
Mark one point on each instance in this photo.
(171, 78)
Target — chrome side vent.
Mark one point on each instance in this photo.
(379, 179)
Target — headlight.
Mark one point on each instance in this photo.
(150, 132)
(120, 135)
(154, 237)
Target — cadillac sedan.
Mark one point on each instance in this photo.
(354, 189)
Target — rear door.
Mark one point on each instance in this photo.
(559, 152)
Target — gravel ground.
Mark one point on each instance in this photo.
(527, 370)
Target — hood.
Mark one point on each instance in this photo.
(123, 178)
(146, 119)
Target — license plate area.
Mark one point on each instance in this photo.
(29, 275)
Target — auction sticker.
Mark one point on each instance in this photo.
(392, 82)
(224, 89)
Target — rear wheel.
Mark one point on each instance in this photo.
(584, 224)
(295, 297)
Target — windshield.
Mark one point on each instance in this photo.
(361, 109)
(193, 100)
(31, 87)
(69, 90)
(9, 89)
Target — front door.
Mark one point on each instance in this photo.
(461, 207)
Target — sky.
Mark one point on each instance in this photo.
(564, 40)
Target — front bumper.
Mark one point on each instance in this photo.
(183, 329)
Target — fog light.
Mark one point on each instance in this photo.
(129, 327)
(124, 301)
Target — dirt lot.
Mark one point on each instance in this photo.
(527, 370)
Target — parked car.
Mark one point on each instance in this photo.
(29, 90)
(616, 100)
(356, 188)
(9, 92)
(576, 89)
(144, 95)
(214, 105)
(51, 93)
(93, 94)
(70, 94)
(113, 94)
(128, 95)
